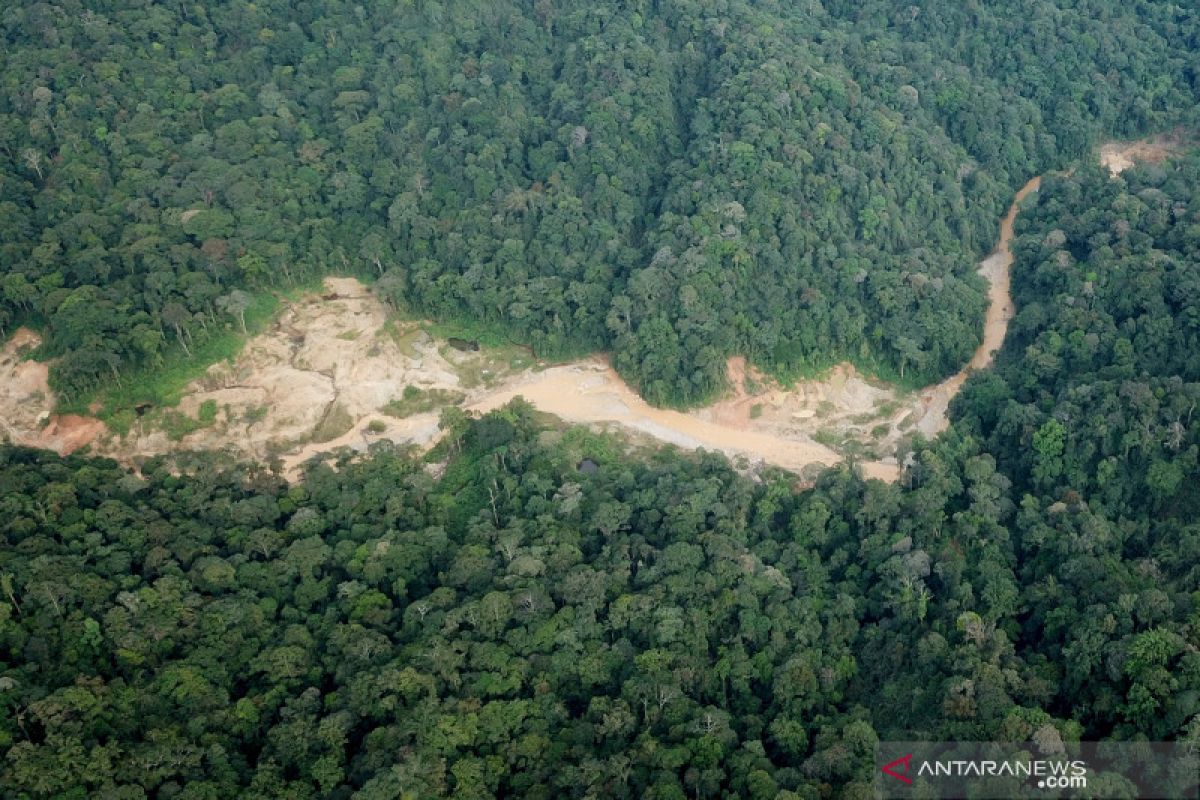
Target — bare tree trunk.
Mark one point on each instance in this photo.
(182, 343)
(495, 514)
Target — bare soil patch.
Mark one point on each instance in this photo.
(27, 405)
(592, 392)
(1120, 156)
(314, 382)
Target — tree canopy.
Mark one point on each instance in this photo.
(676, 182)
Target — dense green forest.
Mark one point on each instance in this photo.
(674, 182)
(495, 621)
(799, 182)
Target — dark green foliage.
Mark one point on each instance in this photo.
(796, 182)
(1095, 426)
(658, 627)
(661, 626)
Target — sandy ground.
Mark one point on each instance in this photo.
(1120, 156)
(27, 404)
(590, 392)
(320, 377)
(864, 415)
(332, 355)
(314, 382)
(996, 269)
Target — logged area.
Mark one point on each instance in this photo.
(531, 612)
(332, 372)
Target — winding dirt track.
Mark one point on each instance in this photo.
(340, 352)
(323, 355)
(997, 269)
(591, 391)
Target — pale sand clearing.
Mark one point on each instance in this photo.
(996, 269)
(1120, 156)
(591, 391)
(331, 357)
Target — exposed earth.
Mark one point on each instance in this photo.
(27, 404)
(334, 371)
(1120, 156)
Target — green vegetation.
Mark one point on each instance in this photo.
(162, 384)
(178, 425)
(801, 183)
(336, 422)
(405, 333)
(416, 400)
(653, 626)
(538, 613)
(492, 336)
(255, 415)
(1095, 387)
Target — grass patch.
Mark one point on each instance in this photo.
(842, 442)
(337, 422)
(756, 411)
(853, 448)
(404, 336)
(253, 416)
(831, 439)
(488, 366)
(869, 368)
(121, 421)
(162, 386)
(177, 425)
(416, 400)
(349, 336)
(487, 334)
(499, 354)
(888, 408)
(472, 372)
(207, 413)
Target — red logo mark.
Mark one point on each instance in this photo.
(902, 775)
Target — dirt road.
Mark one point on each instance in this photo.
(591, 391)
(997, 269)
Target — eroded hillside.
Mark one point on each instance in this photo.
(332, 372)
